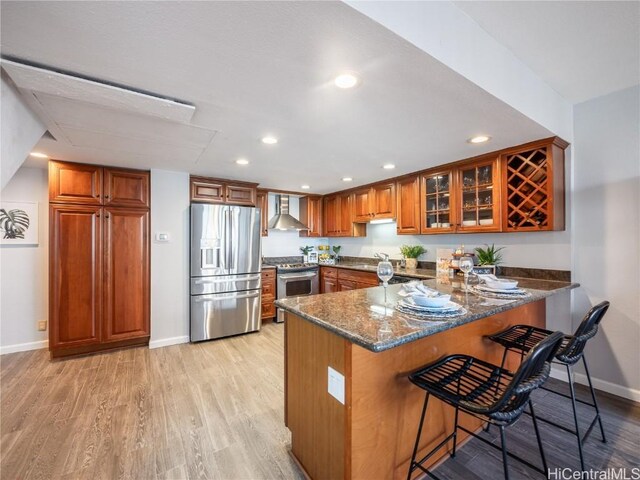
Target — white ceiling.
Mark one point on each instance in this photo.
(252, 68)
(582, 49)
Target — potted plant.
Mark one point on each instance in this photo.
(305, 252)
(488, 259)
(411, 254)
(336, 252)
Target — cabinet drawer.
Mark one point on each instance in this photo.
(267, 307)
(268, 274)
(357, 276)
(268, 288)
(328, 272)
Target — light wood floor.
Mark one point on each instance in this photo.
(214, 410)
(209, 410)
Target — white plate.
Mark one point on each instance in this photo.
(486, 221)
(449, 307)
(499, 290)
(469, 223)
(501, 284)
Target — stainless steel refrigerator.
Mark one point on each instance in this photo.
(225, 271)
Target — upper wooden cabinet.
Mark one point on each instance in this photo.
(80, 184)
(214, 190)
(462, 199)
(262, 202)
(311, 215)
(533, 187)
(126, 188)
(376, 202)
(75, 183)
(338, 216)
(408, 209)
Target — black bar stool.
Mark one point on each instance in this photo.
(485, 391)
(522, 338)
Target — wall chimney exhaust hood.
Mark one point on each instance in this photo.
(282, 220)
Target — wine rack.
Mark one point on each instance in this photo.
(529, 192)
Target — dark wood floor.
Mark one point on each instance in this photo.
(214, 410)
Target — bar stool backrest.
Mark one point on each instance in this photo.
(533, 372)
(574, 349)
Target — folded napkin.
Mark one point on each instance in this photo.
(417, 288)
(487, 276)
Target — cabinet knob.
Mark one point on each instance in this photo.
(107, 197)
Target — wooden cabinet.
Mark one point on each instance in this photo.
(462, 199)
(533, 187)
(331, 212)
(75, 275)
(75, 183)
(99, 286)
(334, 279)
(408, 209)
(215, 190)
(262, 202)
(328, 279)
(345, 216)
(126, 188)
(338, 217)
(311, 215)
(376, 202)
(126, 273)
(268, 293)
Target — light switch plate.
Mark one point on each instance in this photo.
(162, 237)
(336, 384)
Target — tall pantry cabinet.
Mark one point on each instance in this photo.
(99, 258)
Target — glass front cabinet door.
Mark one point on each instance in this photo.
(477, 197)
(437, 208)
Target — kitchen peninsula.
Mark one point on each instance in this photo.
(367, 429)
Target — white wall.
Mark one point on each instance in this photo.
(286, 244)
(169, 261)
(607, 234)
(24, 270)
(20, 130)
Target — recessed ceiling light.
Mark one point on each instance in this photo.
(347, 179)
(346, 80)
(388, 166)
(479, 139)
(305, 187)
(242, 161)
(39, 155)
(269, 140)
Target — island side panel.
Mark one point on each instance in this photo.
(317, 420)
(385, 406)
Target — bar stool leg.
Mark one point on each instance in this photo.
(415, 448)
(575, 417)
(503, 440)
(535, 426)
(487, 427)
(593, 396)
(455, 434)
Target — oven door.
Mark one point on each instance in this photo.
(296, 284)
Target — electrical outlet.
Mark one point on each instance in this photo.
(42, 325)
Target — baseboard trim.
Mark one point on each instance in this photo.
(24, 347)
(165, 342)
(612, 388)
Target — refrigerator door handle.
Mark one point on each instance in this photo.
(208, 298)
(202, 281)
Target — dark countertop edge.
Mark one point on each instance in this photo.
(268, 267)
(421, 274)
(381, 347)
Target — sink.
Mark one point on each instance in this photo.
(364, 266)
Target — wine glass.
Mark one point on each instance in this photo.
(466, 265)
(385, 273)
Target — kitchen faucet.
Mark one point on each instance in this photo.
(381, 256)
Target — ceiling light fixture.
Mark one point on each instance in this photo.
(305, 187)
(389, 166)
(346, 80)
(269, 140)
(347, 179)
(242, 161)
(38, 155)
(479, 139)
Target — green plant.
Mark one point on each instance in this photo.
(306, 250)
(336, 250)
(14, 223)
(489, 256)
(412, 251)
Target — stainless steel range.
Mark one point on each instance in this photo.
(295, 280)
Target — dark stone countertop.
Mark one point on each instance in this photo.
(361, 317)
(268, 267)
(419, 273)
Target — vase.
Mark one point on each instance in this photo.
(412, 263)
